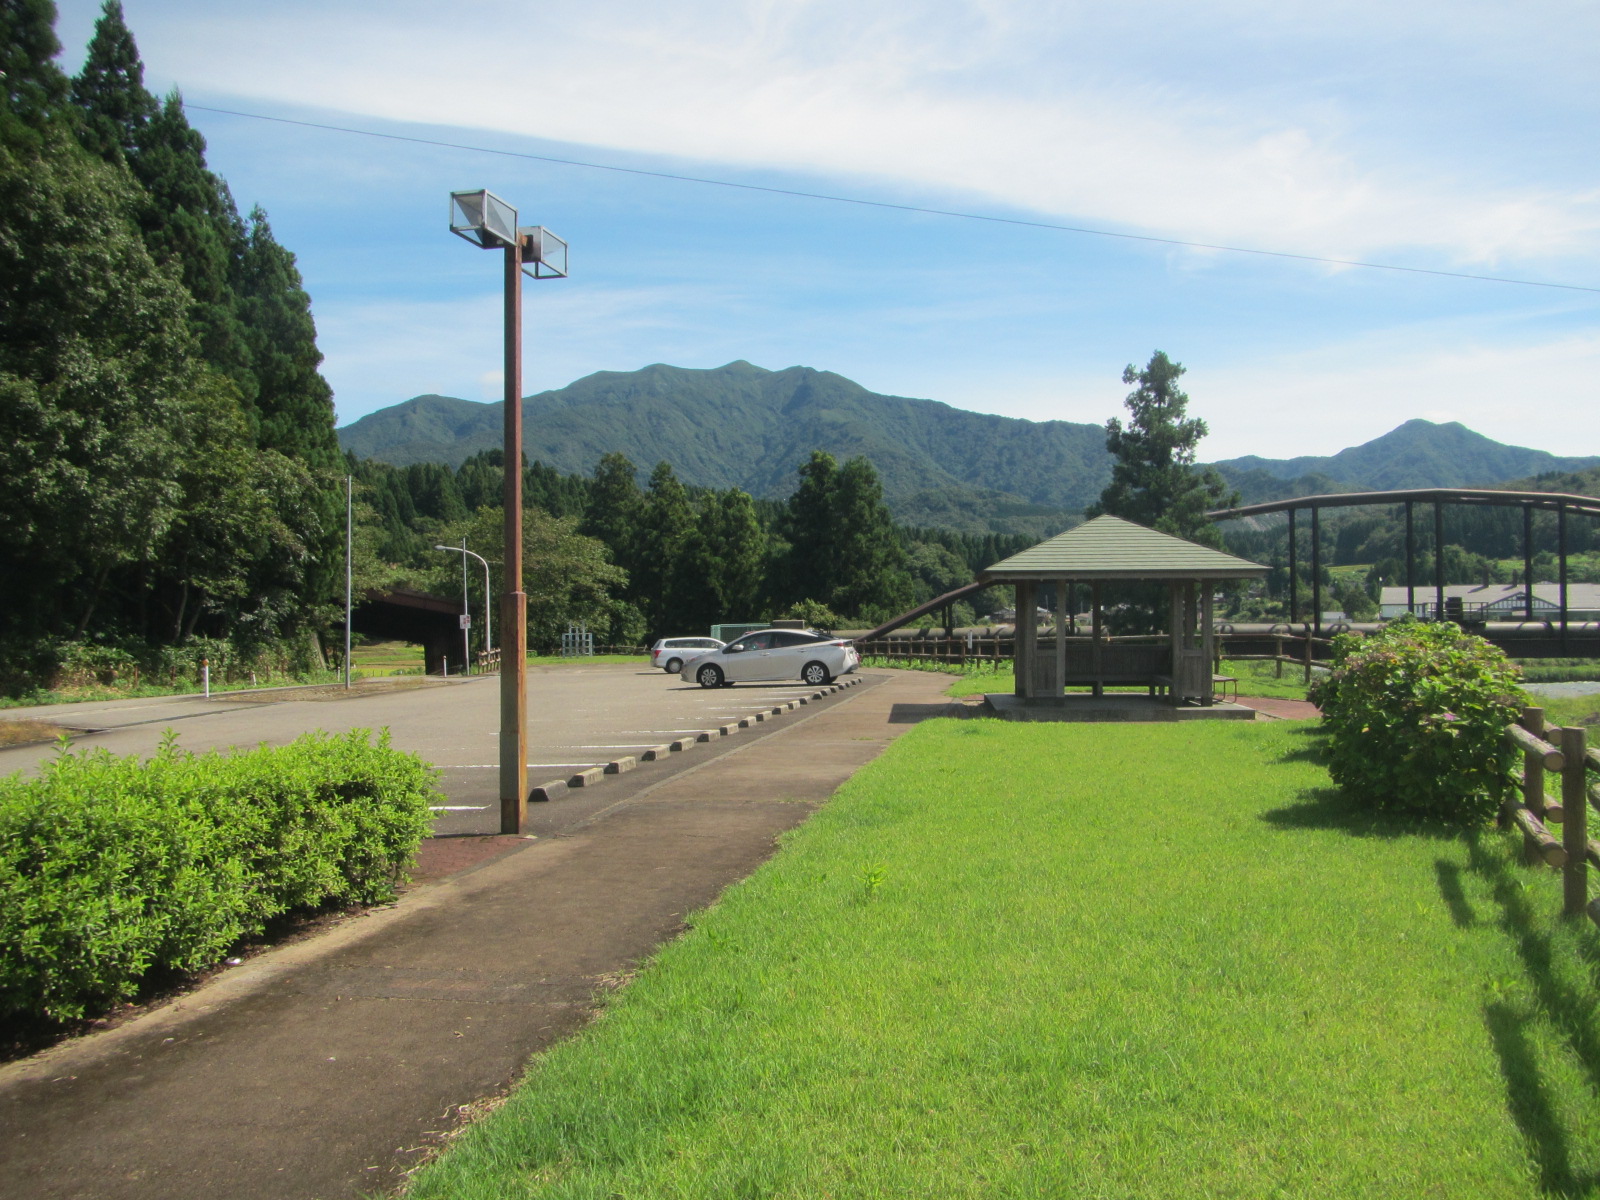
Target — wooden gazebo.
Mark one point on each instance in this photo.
(1102, 550)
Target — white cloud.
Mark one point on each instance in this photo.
(1042, 107)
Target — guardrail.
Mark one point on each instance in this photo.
(1533, 811)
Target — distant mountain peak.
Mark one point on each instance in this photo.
(741, 425)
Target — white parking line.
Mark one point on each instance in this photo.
(457, 807)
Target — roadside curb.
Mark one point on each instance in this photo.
(556, 788)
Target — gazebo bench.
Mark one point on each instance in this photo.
(1161, 685)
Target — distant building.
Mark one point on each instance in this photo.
(1497, 601)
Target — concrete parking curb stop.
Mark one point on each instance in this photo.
(556, 788)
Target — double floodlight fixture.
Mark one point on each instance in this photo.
(489, 222)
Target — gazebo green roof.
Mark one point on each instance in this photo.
(1111, 548)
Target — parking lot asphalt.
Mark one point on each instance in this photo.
(328, 1068)
(580, 717)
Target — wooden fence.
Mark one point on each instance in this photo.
(1534, 811)
(1292, 649)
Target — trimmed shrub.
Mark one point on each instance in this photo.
(110, 867)
(1417, 714)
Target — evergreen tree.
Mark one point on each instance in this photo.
(612, 510)
(294, 404)
(190, 222)
(110, 90)
(807, 571)
(869, 575)
(722, 560)
(96, 368)
(34, 88)
(1155, 481)
(660, 585)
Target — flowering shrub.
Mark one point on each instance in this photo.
(1417, 714)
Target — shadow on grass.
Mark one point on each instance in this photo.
(912, 714)
(1310, 744)
(1528, 1104)
(1455, 897)
(1330, 808)
(1573, 1010)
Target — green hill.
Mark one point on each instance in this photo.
(744, 426)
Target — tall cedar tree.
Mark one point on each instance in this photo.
(663, 586)
(188, 219)
(32, 86)
(843, 549)
(110, 90)
(293, 401)
(1154, 480)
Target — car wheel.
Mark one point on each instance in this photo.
(674, 665)
(816, 674)
(708, 676)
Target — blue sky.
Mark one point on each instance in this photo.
(1459, 137)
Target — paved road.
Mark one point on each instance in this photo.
(579, 717)
(324, 1070)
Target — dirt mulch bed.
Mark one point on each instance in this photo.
(26, 733)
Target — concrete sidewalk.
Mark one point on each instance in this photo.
(328, 1068)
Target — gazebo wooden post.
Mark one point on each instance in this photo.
(1208, 639)
(1027, 639)
(1096, 657)
(1175, 637)
(1061, 637)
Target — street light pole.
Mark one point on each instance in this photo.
(489, 222)
(488, 596)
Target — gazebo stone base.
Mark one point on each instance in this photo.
(1116, 706)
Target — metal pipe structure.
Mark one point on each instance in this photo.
(1527, 560)
(1411, 561)
(1294, 575)
(488, 595)
(1438, 560)
(1316, 573)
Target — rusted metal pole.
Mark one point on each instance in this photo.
(1438, 561)
(1294, 579)
(513, 600)
(1561, 551)
(1411, 561)
(1527, 561)
(1316, 571)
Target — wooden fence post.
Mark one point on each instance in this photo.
(1532, 778)
(1308, 658)
(1574, 830)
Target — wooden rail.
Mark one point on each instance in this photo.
(1534, 810)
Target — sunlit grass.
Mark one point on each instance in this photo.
(1085, 960)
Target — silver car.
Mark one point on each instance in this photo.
(770, 654)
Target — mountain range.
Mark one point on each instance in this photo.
(744, 426)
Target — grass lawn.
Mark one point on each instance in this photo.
(1085, 960)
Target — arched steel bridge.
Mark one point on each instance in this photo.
(1562, 504)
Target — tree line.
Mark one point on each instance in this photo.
(638, 560)
(168, 463)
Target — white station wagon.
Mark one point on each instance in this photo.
(671, 653)
(769, 654)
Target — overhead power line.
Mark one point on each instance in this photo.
(910, 208)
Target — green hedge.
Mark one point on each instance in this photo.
(110, 867)
(1417, 714)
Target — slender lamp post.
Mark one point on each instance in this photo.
(488, 222)
(488, 603)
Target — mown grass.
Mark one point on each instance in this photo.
(1085, 960)
(1572, 710)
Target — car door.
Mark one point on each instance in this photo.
(790, 652)
(749, 660)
